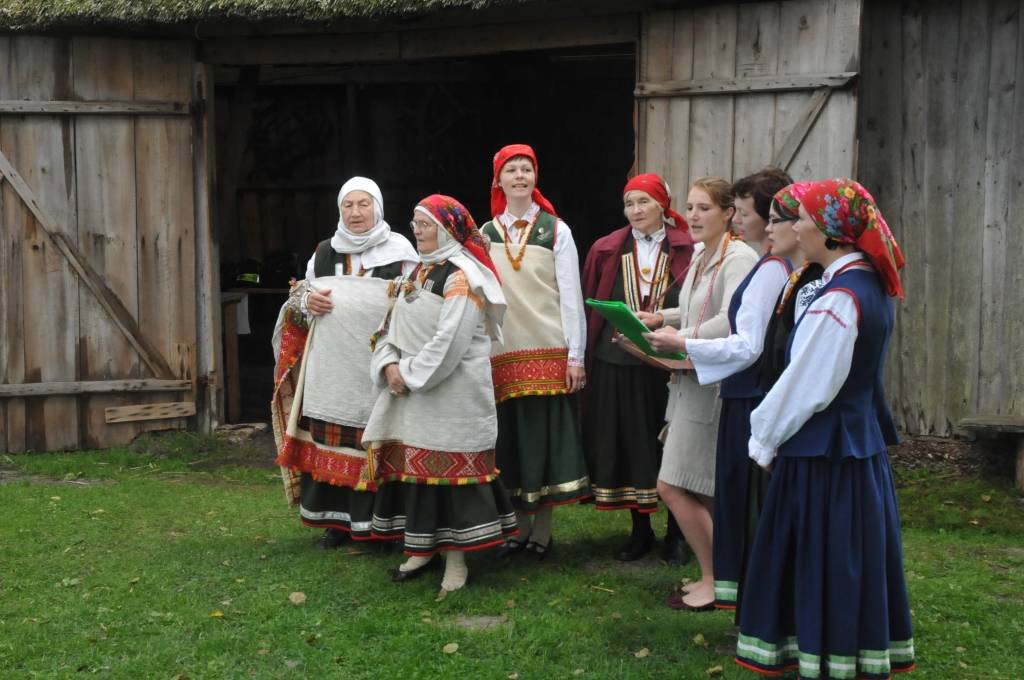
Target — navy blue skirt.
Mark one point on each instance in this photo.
(825, 591)
(740, 486)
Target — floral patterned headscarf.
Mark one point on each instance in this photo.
(461, 244)
(844, 211)
(788, 199)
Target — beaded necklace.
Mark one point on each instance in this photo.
(524, 238)
(794, 278)
(714, 275)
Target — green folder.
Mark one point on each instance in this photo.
(622, 317)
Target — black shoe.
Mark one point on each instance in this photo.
(399, 576)
(675, 552)
(539, 551)
(511, 548)
(332, 539)
(636, 547)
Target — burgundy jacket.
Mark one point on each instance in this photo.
(603, 264)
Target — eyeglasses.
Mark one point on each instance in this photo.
(413, 224)
(780, 220)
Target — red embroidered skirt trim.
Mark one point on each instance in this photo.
(395, 461)
(529, 372)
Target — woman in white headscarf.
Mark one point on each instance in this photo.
(432, 432)
(344, 296)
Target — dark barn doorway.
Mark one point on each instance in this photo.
(287, 138)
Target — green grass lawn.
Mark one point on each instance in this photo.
(179, 560)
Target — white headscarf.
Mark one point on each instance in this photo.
(377, 246)
(481, 280)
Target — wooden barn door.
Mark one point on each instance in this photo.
(727, 89)
(98, 216)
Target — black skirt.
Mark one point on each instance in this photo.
(430, 518)
(336, 507)
(623, 414)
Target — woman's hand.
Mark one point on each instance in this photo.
(666, 340)
(651, 320)
(575, 378)
(318, 302)
(396, 385)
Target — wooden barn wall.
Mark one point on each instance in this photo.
(121, 187)
(942, 149)
(683, 138)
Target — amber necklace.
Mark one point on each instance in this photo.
(524, 238)
(794, 278)
(419, 275)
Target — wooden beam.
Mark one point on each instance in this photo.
(127, 414)
(93, 108)
(785, 155)
(115, 309)
(315, 49)
(768, 84)
(999, 424)
(49, 389)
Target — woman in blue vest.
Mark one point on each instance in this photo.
(825, 592)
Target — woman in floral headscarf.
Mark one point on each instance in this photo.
(432, 432)
(825, 591)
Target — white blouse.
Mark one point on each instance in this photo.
(648, 246)
(820, 360)
(567, 276)
(718, 358)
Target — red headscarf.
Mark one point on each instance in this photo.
(844, 211)
(457, 221)
(498, 200)
(655, 187)
(789, 196)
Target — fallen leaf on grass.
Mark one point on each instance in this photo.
(427, 619)
(963, 665)
(699, 640)
(616, 615)
(450, 648)
(354, 552)
(263, 651)
(297, 598)
(313, 640)
(54, 498)
(134, 580)
(510, 603)
(441, 595)
(69, 582)
(291, 663)
(986, 498)
(513, 676)
(974, 522)
(642, 653)
(715, 671)
(216, 614)
(97, 511)
(961, 649)
(578, 671)
(603, 590)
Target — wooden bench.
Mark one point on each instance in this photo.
(1011, 426)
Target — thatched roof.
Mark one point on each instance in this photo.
(51, 14)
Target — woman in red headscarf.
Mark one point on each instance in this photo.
(539, 368)
(432, 431)
(641, 264)
(825, 591)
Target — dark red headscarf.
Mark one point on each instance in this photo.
(844, 211)
(498, 200)
(655, 187)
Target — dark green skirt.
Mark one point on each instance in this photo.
(336, 507)
(430, 518)
(539, 451)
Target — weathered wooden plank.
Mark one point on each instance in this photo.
(46, 389)
(999, 180)
(316, 49)
(51, 108)
(881, 169)
(512, 37)
(209, 355)
(798, 135)
(165, 206)
(42, 147)
(969, 208)
(803, 47)
(745, 84)
(837, 126)
(915, 121)
(757, 56)
(6, 274)
(1007, 424)
(711, 117)
(106, 229)
(942, 246)
(128, 414)
(677, 134)
(655, 62)
(1014, 323)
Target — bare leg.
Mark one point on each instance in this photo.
(694, 517)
